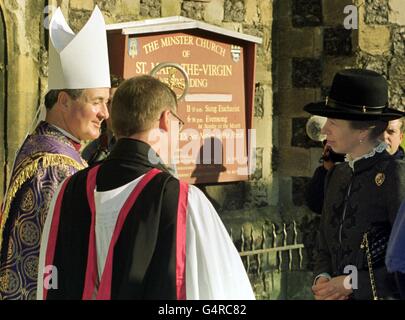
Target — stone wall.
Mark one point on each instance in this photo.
(382, 44)
(24, 43)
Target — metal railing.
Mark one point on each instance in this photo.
(273, 245)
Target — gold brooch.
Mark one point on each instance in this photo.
(379, 179)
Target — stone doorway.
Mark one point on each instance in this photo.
(3, 105)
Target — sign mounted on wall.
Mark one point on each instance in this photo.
(217, 107)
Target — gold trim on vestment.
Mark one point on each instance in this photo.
(27, 170)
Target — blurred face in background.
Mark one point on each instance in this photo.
(108, 121)
(393, 135)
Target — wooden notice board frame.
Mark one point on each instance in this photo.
(218, 107)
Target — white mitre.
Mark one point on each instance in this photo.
(78, 61)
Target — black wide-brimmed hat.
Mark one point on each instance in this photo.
(356, 94)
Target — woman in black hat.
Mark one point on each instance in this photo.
(362, 195)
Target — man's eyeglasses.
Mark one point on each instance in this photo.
(181, 122)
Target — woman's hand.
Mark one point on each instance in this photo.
(333, 289)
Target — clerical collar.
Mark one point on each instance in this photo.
(67, 134)
(378, 149)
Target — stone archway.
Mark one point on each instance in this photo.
(3, 104)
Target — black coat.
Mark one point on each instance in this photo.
(314, 192)
(354, 201)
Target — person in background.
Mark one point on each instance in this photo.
(395, 258)
(314, 193)
(393, 137)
